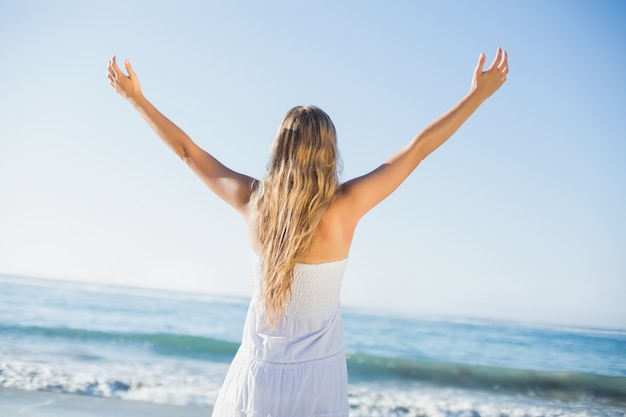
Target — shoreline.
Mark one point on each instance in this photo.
(16, 402)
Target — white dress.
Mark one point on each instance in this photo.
(297, 368)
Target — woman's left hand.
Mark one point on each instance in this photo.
(488, 82)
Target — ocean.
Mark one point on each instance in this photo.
(174, 348)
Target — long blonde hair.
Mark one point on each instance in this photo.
(301, 182)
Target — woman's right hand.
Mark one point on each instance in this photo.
(126, 85)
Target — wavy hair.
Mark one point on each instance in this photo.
(301, 182)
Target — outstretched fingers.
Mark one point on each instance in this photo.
(480, 65)
(496, 60)
(129, 69)
(490, 80)
(126, 85)
(503, 66)
(500, 64)
(112, 71)
(114, 65)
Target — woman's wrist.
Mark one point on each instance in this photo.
(476, 95)
(137, 99)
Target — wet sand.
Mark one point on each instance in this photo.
(15, 403)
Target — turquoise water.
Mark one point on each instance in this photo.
(174, 348)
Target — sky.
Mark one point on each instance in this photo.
(520, 216)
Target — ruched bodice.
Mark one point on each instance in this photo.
(315, 287)
(297, 367)
(311, 328)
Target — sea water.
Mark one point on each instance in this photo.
(174, 348)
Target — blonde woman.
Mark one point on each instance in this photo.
(300, 222)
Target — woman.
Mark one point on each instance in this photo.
(300, 222)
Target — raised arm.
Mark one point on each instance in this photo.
(363, 193)
(232, 187)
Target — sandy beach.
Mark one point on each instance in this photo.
(14, 403)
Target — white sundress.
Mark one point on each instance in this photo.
(298, 368)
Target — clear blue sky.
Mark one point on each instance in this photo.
(521, 216)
